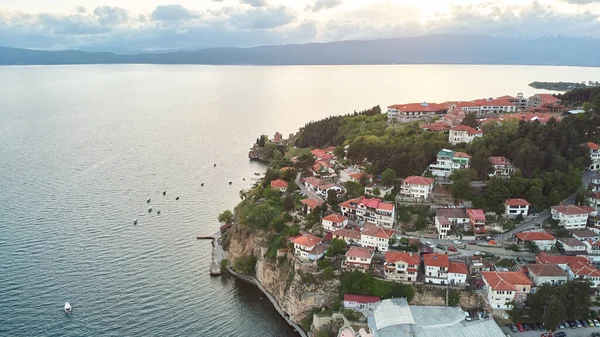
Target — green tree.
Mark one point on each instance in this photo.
(453, 298)
(421, 222)
(388, 177)
(587, 107)
(532, 247)
(354, 189)
(376, 192)
(305, 162)
(270, 175)
(332, 198)
(495, 193)
(336, 247)
(339, 152)
(226, 217)
(461, 187)
(470, 120)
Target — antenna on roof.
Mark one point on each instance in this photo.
(424, 104)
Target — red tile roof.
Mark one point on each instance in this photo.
(372, 230)
(468, 129)
(548, 98)
(581, 269)
(505, 280)
(312, 181)
(452, 213)
(335, 218)
(584, 233)
(278, 183)
(311, 203)
(347, 233)
(409, 258)
(360, 252)
(458, 268)
(595, 195)
(461, 155)
(592, 146)
(506, 97)
(493, 102)
(570, 210)
(306, 240)
(499, 160)
(361, 298)
(546, 270)
(417, 107)
(436, 260)
(476, 214)
(418, 180)
(366, 202)
(545, 258)
(436, 127)
(572, 242)
(535, 236)
(321, 154)
(517, 202)
(358, 175)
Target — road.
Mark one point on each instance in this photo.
(306, 191)
(578, 332)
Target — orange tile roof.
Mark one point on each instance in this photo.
(312, 181)
(499, 160)
(546, 270)
(418, 180)
(517, 202)
(505, 280)
(570, 210)
(306, 240)
(417, 107)
(592, 146)
(372, 230)
(347, 233)
(461, 155)
(545, 258)
(366, 202)
(361, 299)
(493, 102)
(409, 258)
(458, 268)
(581, 269)
(476, 214)
(535, 236)
(278, 183)
(548, 98)
(436, 127)
(436, 260)
(468, 129)
(360, 252)
(311, 203)
(335, 218)
(321, 154)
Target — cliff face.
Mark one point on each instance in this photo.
(295, 294)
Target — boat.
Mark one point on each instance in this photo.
(177, 198)
(68, 308)
(256, 173)
(149, 209)
(202, 184)
(158, 212)
(135, 222)
(215, 165)
(148, 200)
(164, 192)
(230, 183)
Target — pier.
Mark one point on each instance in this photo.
(217, 253)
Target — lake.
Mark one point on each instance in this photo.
(83, 147)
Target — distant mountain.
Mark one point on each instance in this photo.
(432, 49)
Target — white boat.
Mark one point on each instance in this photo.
(68, 308)
(149, 209)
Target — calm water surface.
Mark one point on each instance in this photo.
(83, 147)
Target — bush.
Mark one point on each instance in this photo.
(246, 265)
(514, 247)
(224, 264)
(328, 273)
(324, 263)
(351, 315)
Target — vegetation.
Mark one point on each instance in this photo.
(246, 265)
(226, 217)
(354, 189)
(470, 120)
(590, 95)
(336, 247)
(562, 86)
(352, 315)
(360, 283)
(388, 177)
(453, 298)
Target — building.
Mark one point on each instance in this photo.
(312, 183)
(547, 274)
(503, 287)
(358, 176)
(401, 266)
(476, 220)
(348, 235)
(376, 237)
(463, 134)
(321, 154)
(585, 235)
(542, 239)
(592, 248)
(519, 101)
(578, 267)
(279, 184)
(324, 189)
(383, 190)
(396, 318)
(318, 252)
(457, 273)
(369, 210)
(304, 244)
(594, 185)
(443, 226)
(572, 246)
(492, 107)
(538, 100)
(417, 188)
(571, 217)
(333, 222)
(515, 207)
(593, 199)
(323, 169)
(358, 258)
(360, 302)
(310, 204)
(456, 216)
(449, 161)
(594, 155)
(436, 268)
(404, 113)
(502, 167)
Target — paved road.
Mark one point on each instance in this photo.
(309, 193)
(579, 332)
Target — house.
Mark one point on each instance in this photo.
(370, 210)
(304, 244)
(321, 154)
(436, 268)
(310, 204)
(449, 161)
(542, 239)
(501, 166)
(571, 217)
(456, 216)
(436, 127)
(279, 184)
(376, 237)
(503, 287)
(463, 134)
(443, 226)
(578, 267)
(348, 235)
(520, 101)
(318, 252)
(593, 199)
(585, 235)
(358, 258)
(312, 183)
(372, 189)
(324, 189)
(323, 168)
(360, 302)
(594, 155)
(476, 220)
(572, 246)
(538, 100)
(594, 185)
(490, 107)
(404, 113)
(515, 207)
(592, 247)
(478, 264)
(547, 274)
(358, 176)
(401, 266)
(333, 222)
(417, 188)
(457, 273)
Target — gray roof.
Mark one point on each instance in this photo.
(390, 312)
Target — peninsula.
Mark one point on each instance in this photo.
(563, 86)
(459, 204)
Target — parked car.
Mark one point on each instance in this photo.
(478, 253)
(451, 248)
(492, 242)
(440, 247)
(533, 326)
(572, 324)
(467, 316)
(457, 242)
(540, 326)
(527, 327)
(560, 334)
(583, 323)
(578, 324)
(472, 243)
(534, 215)
(429, 243)
(594, 334)
(513, 328)
(596, 322)
(520, 327)
(590, 323)
(561, 325)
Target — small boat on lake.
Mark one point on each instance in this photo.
(158, 212)
(164, 192)
(256, 173)
(150, 209)
(148, 200)
(135, 222)
(177, 198)
(68, 308)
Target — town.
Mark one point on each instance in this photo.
(427, 232)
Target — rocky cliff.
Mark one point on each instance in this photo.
(297, 292)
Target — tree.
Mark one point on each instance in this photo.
(421, 222)
(305, 162)
(226, 217)
(354, 189)
(388, 177)
(332, 197)
(336, 247)
(496, 192)
(470, 120)
(339, 152)
(587, 107)
(461, 188)
(376, 192)
(453, 298)
(532, 247)
(270, 175)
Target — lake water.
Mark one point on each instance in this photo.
(83, 147)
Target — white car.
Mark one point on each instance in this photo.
(457, 242)
(478, 253)
(429, 243)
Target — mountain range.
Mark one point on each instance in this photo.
(431, 49)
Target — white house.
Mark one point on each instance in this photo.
(592, 247)
(358, 258)
(572, 246)
(312, 183)
(542, 239)
(370, 210)
(585, 235)
(449, 161)
(457, 273)
(360, 302)
(310, 204)
(279, 184)
(456, 216)
(383, 190)
(515, 207)
(503, 287)
(323, 189)
(547, 274)
(443, 226)
(490, 107)
(594, 155)
(333, 222)
(578, 267)
(401, 266)
(463, 134)
(376, 237)
(304, 244)
(593, 199)
(404, 113)
(571, 216)
(501, 166)
(415, 187)
(348, 235)
(436, 268)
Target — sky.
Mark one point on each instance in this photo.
(135, 25)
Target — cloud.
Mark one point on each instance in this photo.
(255, 3)
(263, 18)
(172, 13)
(581, 2)
(108, 15)
(325, 4)
(81, 9)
